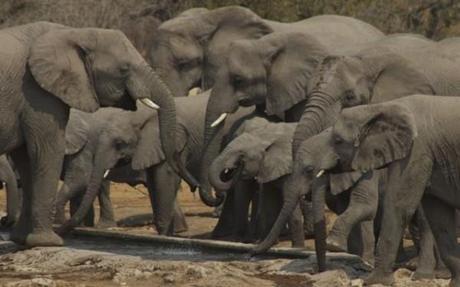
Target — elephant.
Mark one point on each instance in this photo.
(356, 196)
(96, 146)
(416, 139)
(260, 150)
(13, 193)
(46, 70)
(396, 66)
(273, 72)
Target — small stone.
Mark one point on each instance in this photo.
(169, 278)
(137, 273)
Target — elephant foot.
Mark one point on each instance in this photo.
(43, 238)
(442, 273)
(369, 262)
(18, 236)
(180, 229)
(376, 277)
(103, 224)
(334, 244)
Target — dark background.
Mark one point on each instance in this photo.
(433, 18)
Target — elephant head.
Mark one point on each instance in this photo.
(188, 49)
(96, 68)
(111, 135)
(373, 75)
(373, 136)
(270, 72)
(263, 154)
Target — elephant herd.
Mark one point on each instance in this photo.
(288, 118)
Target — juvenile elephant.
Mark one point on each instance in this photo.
(13, 195)
(116, 135)
(46, 70)
(396, 66)
(260, 151)
(416, 138)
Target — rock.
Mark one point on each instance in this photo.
(333, 278)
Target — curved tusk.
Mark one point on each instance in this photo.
(219, 120)
(149, 103)
(106, 173)
(320, 173)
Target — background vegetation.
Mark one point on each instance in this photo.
(433, 18)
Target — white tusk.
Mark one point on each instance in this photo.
(320, 173)
(226, 171)
(194, 91)
(219, 120)
(149, 103)
(106, 173)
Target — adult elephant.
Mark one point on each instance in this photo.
(13, 195)
(396, 66)
(96, 145)
(46, 69)
(273, 72)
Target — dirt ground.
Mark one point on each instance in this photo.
(76, 266)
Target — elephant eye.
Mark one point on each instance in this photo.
(338, 140)
(309, 169)
(237, 81)
(119, 144)
(124, 70)
(349, 95)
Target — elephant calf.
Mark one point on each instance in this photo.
(261, 151)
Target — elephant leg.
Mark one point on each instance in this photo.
(163, 183)
(65, 194)
(307, 212)
(426, 263)
(180, 223)
(441, 218)
(402, 197)
(244, 190)
(225, 224)
(296, 228)
(270, 205)
(107, 217)
(251, 235)
(13, 197)
(362, 207)
(368, 241)
(23, 227)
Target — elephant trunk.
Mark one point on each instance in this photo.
(61, 200)
(160, 93)
(102, 162)
(289, 204)
(221, 102)
(319, 220)
(220, 177)
(320, 112)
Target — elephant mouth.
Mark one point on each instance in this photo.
(126, 102)
(245, 102)
(227, 174)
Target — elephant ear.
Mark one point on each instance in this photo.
(277, 161)
(291, 61)
(149, 151)
(386, 133)
(76, 132)
(58, 62)
(341, 182)
(399, 78)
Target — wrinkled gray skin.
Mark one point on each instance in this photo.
(260, 151)
(273, 72)
(13, 195)
(417, 139)
(397, 66)
(190, 48)
(359, 191)
(134, 136)
(92, 68)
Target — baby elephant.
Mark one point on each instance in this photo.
(260, 151)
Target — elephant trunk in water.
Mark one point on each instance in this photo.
(320, 112)
(221, 102)
(103, 162)
(319, 201)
